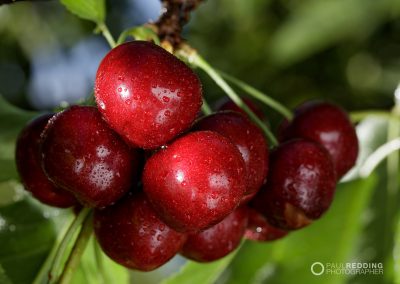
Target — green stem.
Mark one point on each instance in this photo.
(107, 35)
(65, 241)
(100, 262)
(77, 251)
(50, 258)
(139, 33)
(198, 61)
(378, 156)
(357, 116)
(205, 108)
(259, 95)
(122, 37)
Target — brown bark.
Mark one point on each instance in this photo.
(176, 15)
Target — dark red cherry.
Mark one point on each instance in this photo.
(146, 94)
(28, 158)
(247, 198)
(329, 125)
(130, 233)
(300, 187)
(227, 104)
(196, 181)
(83, 155)
(249, 140)
(219, 240)
(258, 229)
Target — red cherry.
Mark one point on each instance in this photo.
(247, 198)
(227, 104)
(28, 158)
(146, 94)
(196, 181)
(83, 155)
(249, 140)
(300, 187)
(258, 229)
(329, 125)
(219, 240)
(131, 234)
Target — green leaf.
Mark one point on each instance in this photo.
(396, 253)
(3, 277)
(12, 120)
(90, 273)
(316, 25)
(92, 10)
(333, 238)
(8, 170)
(10, 192)
(26, 237)
(200, 273)
(379, 237)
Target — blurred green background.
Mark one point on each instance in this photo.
(343, 50)
(346, 51)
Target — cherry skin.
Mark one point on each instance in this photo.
(219, 240)
(300, 187)
(227, 104)
(146, 94)
(247, 198)
(196, 181)
(130, 233)
(84, 156)
(329, 125)
(259, 230)
(249, 140)
(28, 159)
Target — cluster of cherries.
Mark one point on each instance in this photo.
(162, 182)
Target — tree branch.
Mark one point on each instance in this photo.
(176, 15)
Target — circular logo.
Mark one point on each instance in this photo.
(317, 268)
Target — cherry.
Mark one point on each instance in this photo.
(247, 198)
(196, 181)
(258, 229)
(248, 138)
(227, 104)
(219, 240)
(146, 94)
(28, 158)
(131, 234)
(83, 155)
(329, 125)
(300, 187)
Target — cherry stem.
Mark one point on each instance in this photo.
(77, 251)
(378, 156)
(50, 258)
(267, 100)
(198, 61)
(139, 33)
(65, 241)
(205, 107)
(107, 34)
